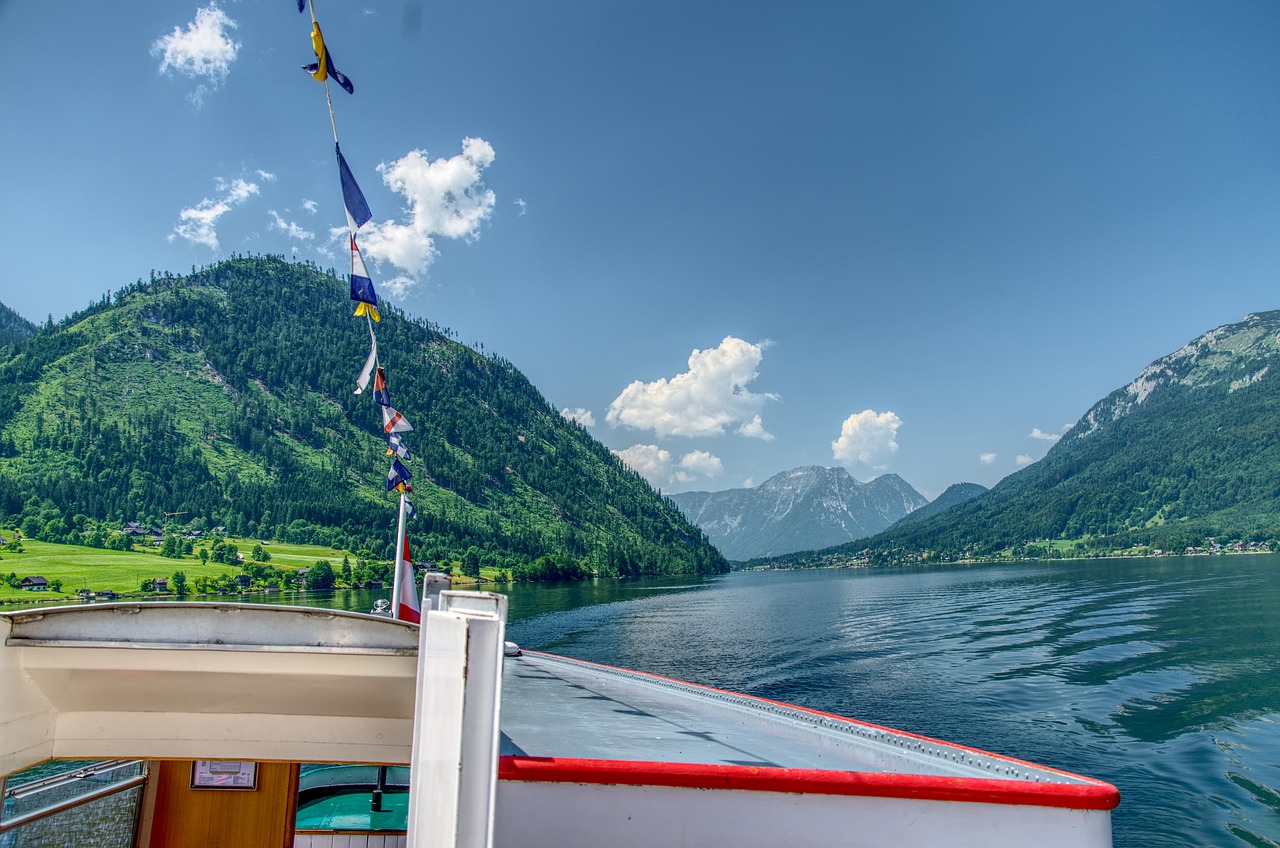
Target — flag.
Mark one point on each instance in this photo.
(361, 283)
(410, 606)
(323, 68)
(358, 213)
(302, 5)
(393, 422)
(398, 447)
(398, 476)
(380, 395)
(362, 382)
(409, 512)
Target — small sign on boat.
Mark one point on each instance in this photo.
(224, 774)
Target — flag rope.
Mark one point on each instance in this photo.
(404, 605)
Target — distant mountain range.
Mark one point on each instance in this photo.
(1189, 448)
(801, 509)
(226, 396)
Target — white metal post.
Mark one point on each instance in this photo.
(454, 765)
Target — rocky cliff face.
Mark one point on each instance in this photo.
(801, 509)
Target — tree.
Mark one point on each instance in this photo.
(55, 585)
(204, 556)
(259, 554)
(180, 583)
(320, 577)
(471, 562)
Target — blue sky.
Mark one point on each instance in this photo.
(734, 237)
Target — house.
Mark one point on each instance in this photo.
(243, 580)
(34, 583)
(133, 528)
(107, 595)
(161, 584)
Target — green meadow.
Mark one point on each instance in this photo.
(97, 569)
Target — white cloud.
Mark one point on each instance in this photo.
(754, 429)
(703, 401)
(702, 464)
(266, 176)
(203, 50)
(1037, 433)
(582, 416)
(657, 465)
(289, 228)
(199, 224)
(1024, 459)
(987, 458)
(868, 437)
(524, 207)
(446, 198)
(310, 206)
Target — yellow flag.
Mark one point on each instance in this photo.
(321, 72)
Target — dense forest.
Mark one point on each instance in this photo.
(225, 398)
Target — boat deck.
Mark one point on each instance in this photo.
(557, 707)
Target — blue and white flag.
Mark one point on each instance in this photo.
(358, 213)
(397, 477)
(409, 511)
(397, 446)
(361, 283)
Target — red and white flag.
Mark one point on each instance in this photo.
(410, 606)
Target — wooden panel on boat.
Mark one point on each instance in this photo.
(259, 818)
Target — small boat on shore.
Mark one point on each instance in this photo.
(583, 754)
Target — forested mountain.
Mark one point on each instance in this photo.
(956, 493)
(798, 510)
(13, 327)
(227, 396)
(1188, 449)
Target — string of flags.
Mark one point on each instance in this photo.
(394, 425)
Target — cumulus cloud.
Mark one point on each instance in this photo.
(582, 416)
(1024, 459)
(445, 198)
(705, 400)
(311, 206)
(701, 463)
(266, 176)
(868, 437)
(289, 228)
(987, 458)
(1037, 433)
(660, 468)
(199, 224)
(522, 206)
(202, 51)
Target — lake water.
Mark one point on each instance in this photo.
(1161, 676)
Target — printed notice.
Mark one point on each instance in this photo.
(224, 774)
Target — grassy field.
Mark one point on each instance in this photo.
(98, 569)
(123, 571)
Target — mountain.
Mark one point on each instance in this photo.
(227, 396)
(801, 509)
(13, 327)
(1189, 448)
(956, 493)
